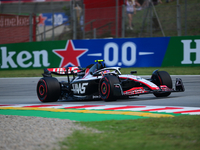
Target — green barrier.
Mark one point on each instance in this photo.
(30, 55)
(183, 51)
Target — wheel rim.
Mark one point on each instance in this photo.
(41, 90)
(104, 88)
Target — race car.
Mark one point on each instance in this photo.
(97, 81)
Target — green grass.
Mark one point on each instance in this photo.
(140, 71)
(178, 133)
(170, 70)
(21, 73)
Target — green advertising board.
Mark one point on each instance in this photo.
(183, 51)
(30, 55)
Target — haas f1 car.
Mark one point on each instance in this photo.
(97, 81)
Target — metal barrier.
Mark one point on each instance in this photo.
(176, 18)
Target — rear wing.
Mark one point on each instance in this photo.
(61, 71)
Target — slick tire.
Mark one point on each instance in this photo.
(106, 88)
(48, 89)
(163, 78)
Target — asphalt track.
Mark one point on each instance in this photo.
(23, 91)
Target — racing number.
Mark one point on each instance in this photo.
(79, 88)
(124, 57)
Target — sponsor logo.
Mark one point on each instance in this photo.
(128, 54)
(95, 96)
(14, 21)
(135, 91)
(48, 19)
(79, 88)
(115, 55)
(69, 55)
(64, 70)
(23, 59)
(41, 20)
(187, 50)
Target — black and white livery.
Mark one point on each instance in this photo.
(99, 82)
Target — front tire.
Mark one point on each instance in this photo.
(162, 78)
(106, 87)
(48, 89)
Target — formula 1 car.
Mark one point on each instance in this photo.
(98, 82)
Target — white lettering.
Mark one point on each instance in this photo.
(187, 50)
(83, 87)
(37, 58)
(21, 60)
(79, 88)
(59, 70)
(7, 59)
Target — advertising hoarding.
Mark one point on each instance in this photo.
(130, 52)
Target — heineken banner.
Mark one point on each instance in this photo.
(129, 52)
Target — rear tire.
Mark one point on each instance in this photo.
(162, 78)
(106, 87)
(48, 89)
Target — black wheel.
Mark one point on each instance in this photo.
(162, 78)
(48, 89)
(106, 87)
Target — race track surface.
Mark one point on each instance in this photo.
(23, 91)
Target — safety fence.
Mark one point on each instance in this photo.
(17, 28)
(79, 20)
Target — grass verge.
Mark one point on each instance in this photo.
(141, 71)
(170, 70)
(178, 133)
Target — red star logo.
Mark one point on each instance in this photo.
(41, 19)
(69, 55)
